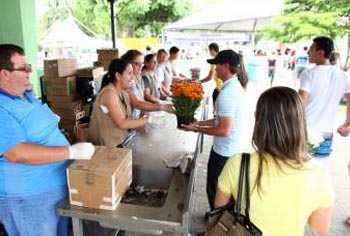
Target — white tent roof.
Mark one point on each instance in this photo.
(233, 15)
(66, 33)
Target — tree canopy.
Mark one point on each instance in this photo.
(305, 19)
(135, 18)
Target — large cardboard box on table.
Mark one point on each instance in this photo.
(101, 181)
(60, 67)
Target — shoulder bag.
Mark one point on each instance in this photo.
(228, 220)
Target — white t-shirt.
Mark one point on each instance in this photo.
(326, 85)
(232, 102)
(172, 68)
(162, 76)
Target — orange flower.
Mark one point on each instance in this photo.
(187, 95)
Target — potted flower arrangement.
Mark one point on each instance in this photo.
(186, 98)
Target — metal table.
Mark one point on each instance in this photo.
(149, 149)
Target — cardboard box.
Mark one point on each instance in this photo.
(107, 54)
(66, 114)
(75, 106)
(59, 86)
(103, 63)
(60, 67)
(90, 72)
(62, 98)
(101, 181)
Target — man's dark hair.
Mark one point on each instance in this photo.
(174, 50)
(6, 52)
(326, 44)
(214, 46)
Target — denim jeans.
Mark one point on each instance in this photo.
(34, 215)
(215, 165)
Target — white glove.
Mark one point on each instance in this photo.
(81, 151)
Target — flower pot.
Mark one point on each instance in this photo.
(184, 120)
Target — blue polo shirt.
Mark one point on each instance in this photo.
(232, 102)
(33, 122)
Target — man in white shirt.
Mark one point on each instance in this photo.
(171, 64)
(321, 88)
(162, 76)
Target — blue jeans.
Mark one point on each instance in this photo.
(215, 165)
(34, 215)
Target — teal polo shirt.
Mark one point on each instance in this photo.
(33, 122)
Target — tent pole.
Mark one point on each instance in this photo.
(112, 21)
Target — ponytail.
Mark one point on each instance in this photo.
(242, 74)
(106, 80)
(116, 66)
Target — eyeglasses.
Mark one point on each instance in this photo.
(26, 68)
(137, 63)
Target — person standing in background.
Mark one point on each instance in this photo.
(213, 51)
(162, 76)
(172, 65)
(302, 61)
(271, 63)
(321, 88)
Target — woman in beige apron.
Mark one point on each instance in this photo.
(111, 116)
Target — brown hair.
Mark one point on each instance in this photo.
(130, 55)
(280, 130)
(6, 52)
(241, 72)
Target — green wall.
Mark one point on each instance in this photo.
(18, 26)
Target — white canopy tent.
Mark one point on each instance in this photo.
(233, 15)
(66, 33)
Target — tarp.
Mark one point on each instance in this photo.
(233, 15)
(66, 33)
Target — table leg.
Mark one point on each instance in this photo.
(77, 226)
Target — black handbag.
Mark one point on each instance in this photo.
(228, 220)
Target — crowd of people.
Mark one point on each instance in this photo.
(289, 187)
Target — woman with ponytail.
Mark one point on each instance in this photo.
(111, 116)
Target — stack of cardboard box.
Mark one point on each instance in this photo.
(59, 85)
(88, 83)
(105, 56)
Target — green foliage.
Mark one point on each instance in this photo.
(53, 14)
(305, 19)
(148, 17)
(135, 18)
(185, 106)
(94, 14)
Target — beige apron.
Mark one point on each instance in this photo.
(102, 129)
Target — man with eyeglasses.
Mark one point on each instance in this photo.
(34, 154)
